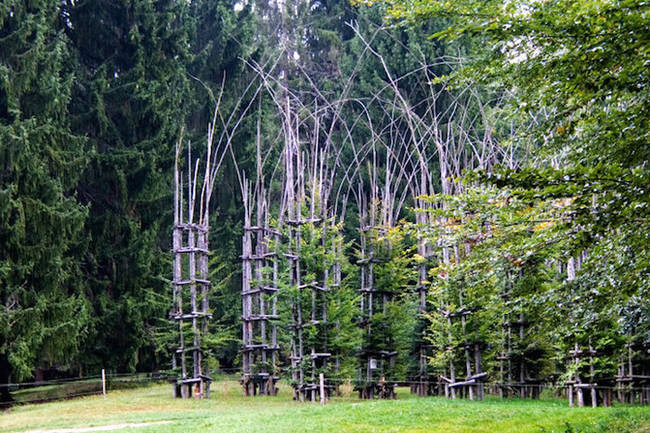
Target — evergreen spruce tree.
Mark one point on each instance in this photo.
(130, 101)
(43, 314)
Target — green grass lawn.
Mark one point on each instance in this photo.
(228, 411)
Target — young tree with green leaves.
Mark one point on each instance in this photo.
(579, 69)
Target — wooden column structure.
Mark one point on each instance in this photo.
(583, 386)
(305, 218)
(377, 360)
(633, 378)
(584, 393)
(259, 303)
(309, 312)
(631, 384)
(467, 356)
(422, 380)
(466, 353)
(306, 224)
(190, 246)
(514, 369)
(190, 279)
(191, 307)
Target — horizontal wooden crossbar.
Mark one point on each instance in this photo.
(260, 290)
(193, 281)
(197, 227)
(193, 315)
(185, 250)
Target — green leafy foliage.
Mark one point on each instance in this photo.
(580, 70)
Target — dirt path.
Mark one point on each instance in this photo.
(109, 427)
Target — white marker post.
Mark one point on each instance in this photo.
(321, 377)
(103, 383)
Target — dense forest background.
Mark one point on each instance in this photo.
(94, 95)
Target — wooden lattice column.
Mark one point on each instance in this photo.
(305, 210)
(422, 381)
(190, 283)
(309, 312)
(319, 355)
(329, 279)
(377, 361)
(293, 193)
(298, 323)
(514, 369)
(583, 392)
(633, 378)
(583, 359)
(307, 358)
(505, 361)
(467, 353)
(306, 198)
(259, 305)
(467, 356)
(514, 356)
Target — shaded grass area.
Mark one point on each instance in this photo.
(228, 411)
(76, 388)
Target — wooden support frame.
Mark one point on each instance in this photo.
(423, 381)
(467, 353)
(190, 244)
(376, 363)
(633, 377)
(584, 393)
(307, 362)
(190, 281)
(514, 372)
(259, 301)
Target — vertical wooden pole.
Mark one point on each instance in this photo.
(321, 379)
(246, 289)
(422, 386)
(478, 368)
(522, 366)
(103, 383)
(203, 307)
(452, 368)
(594, 400)
(581, 401)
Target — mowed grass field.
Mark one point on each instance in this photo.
(228, 411)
